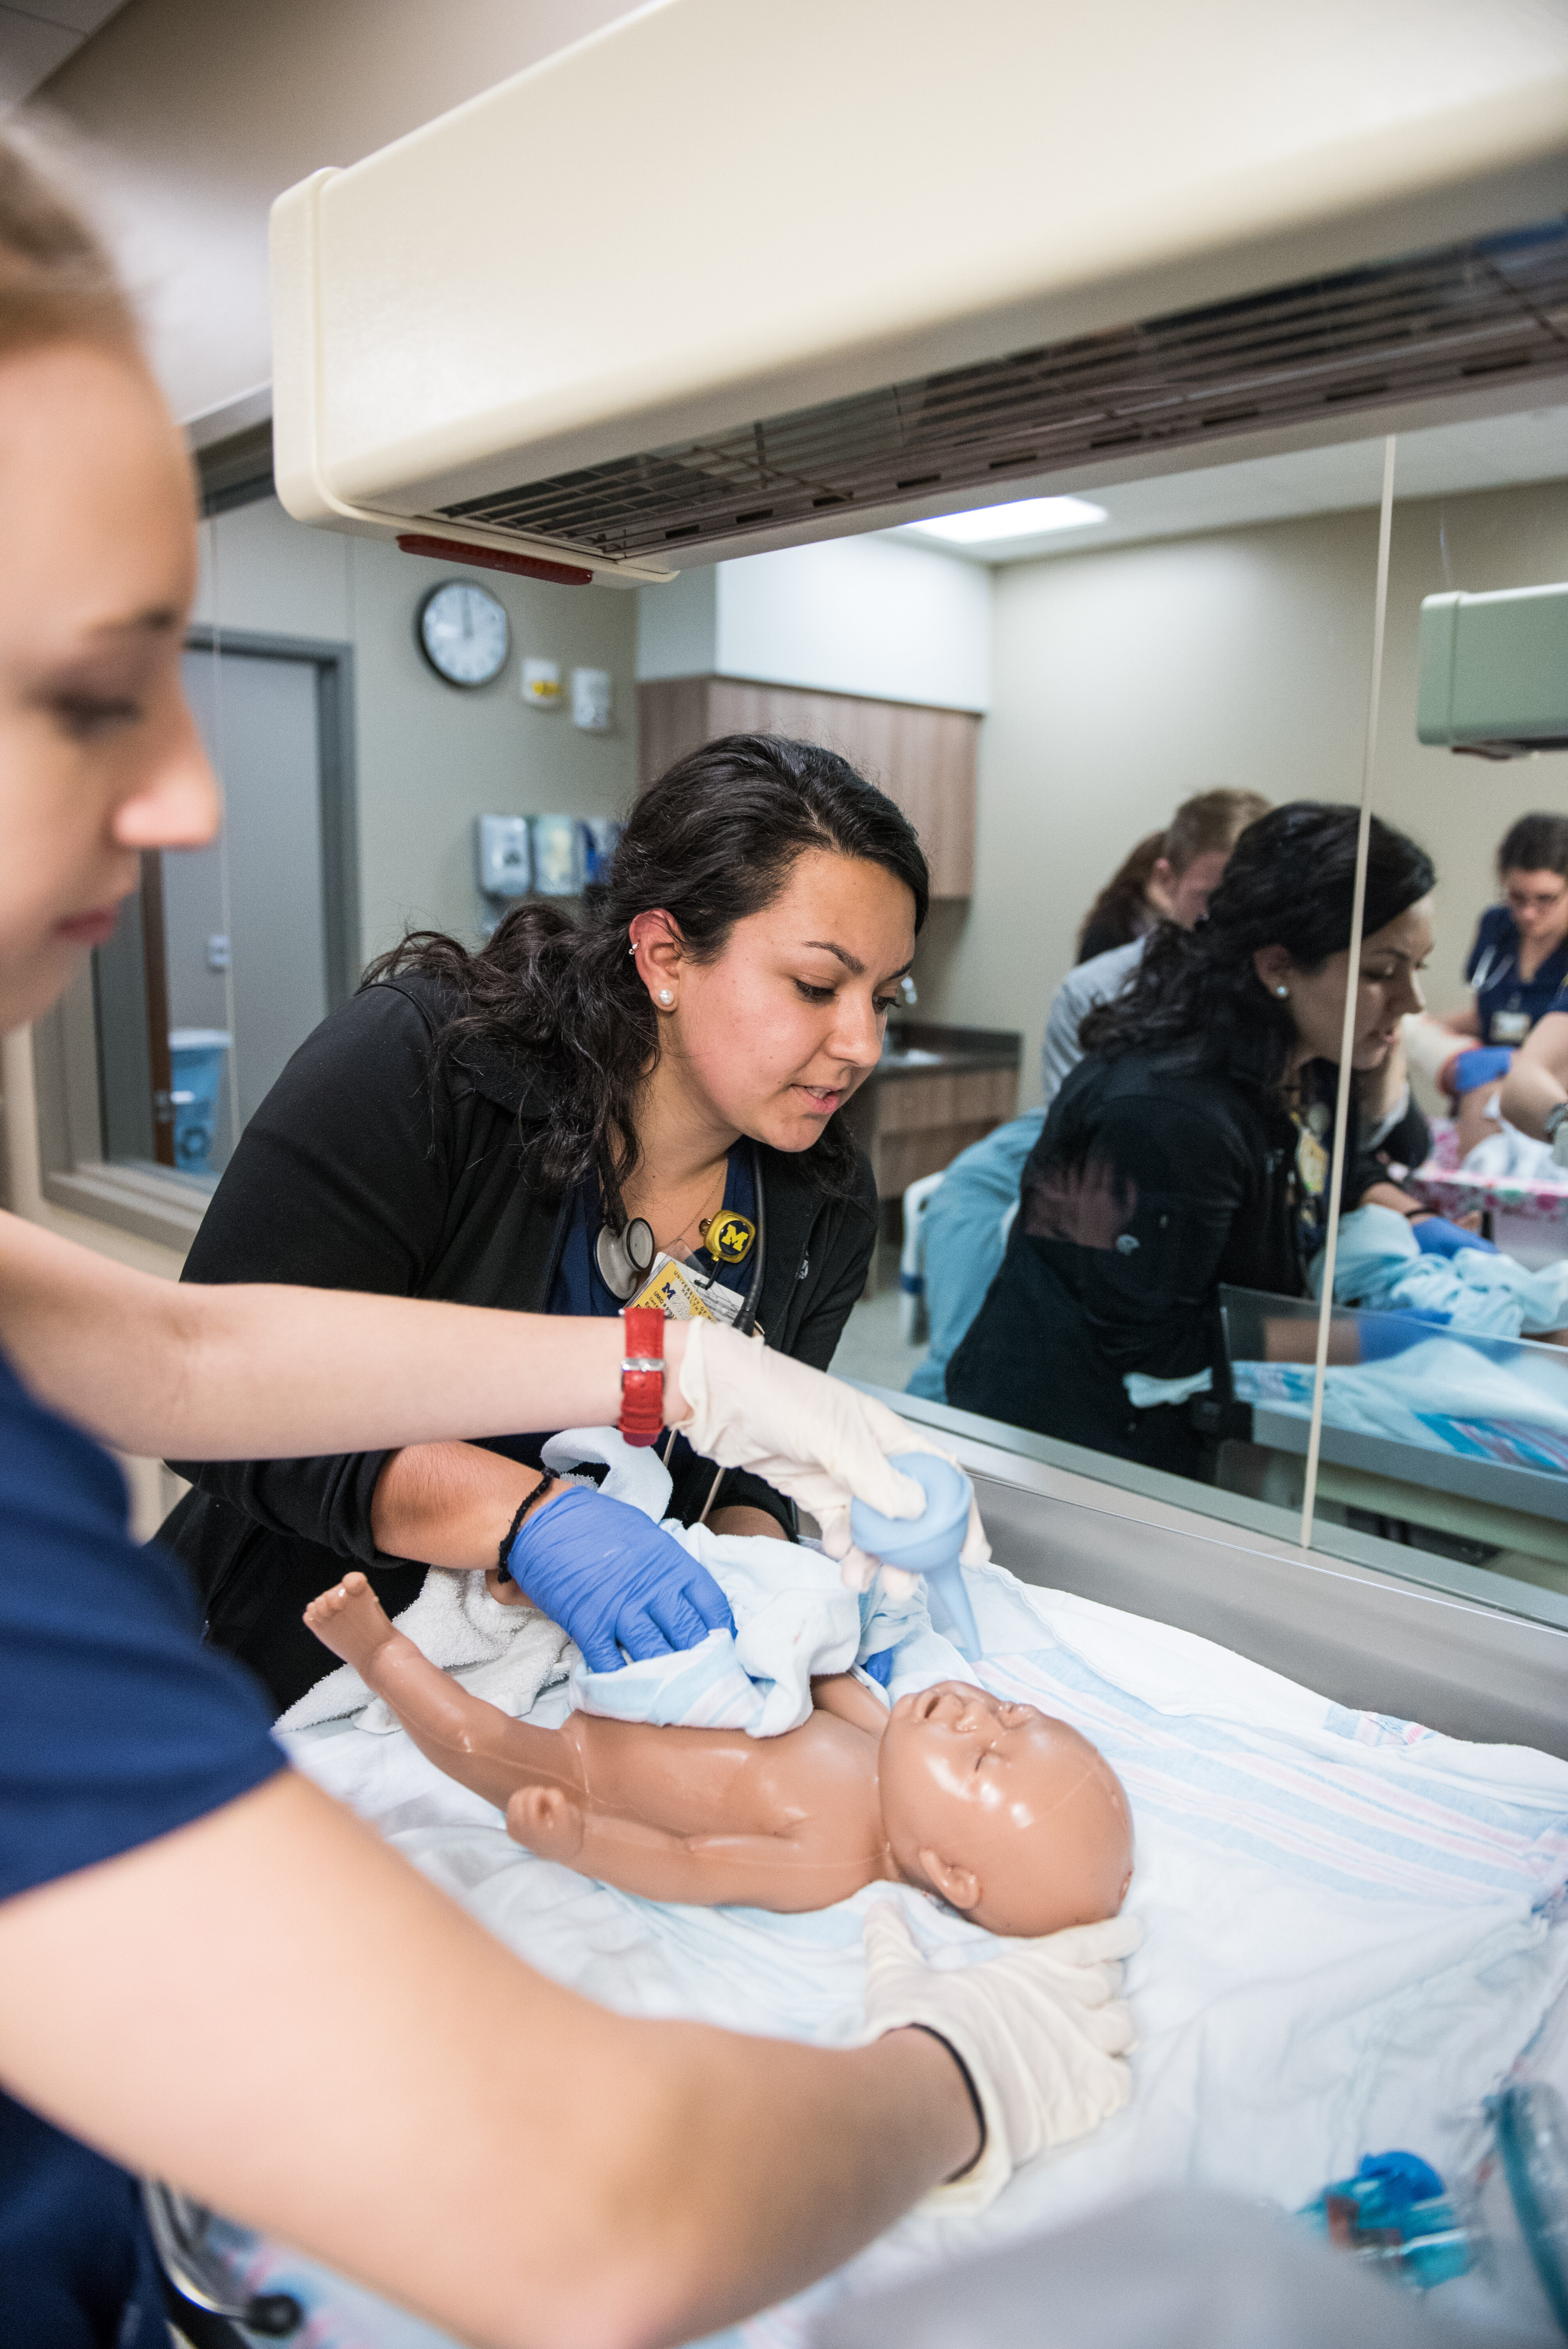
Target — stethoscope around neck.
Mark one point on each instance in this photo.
(626, 1258)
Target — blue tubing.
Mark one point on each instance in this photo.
(929, 1544)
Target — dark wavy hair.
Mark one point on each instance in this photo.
(1195, 998)
(1122, 905)
(713, 841)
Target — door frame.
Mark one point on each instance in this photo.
(339, 798)
(66, 1074)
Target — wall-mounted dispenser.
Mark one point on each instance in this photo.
(1494, 672)
(505, 860)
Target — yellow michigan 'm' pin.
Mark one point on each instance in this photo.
(728, 1236)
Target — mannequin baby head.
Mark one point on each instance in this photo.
(1009, 1815)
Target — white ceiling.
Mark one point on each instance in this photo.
(34, 41)
(1485, 454)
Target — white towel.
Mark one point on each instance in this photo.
(505, 1654)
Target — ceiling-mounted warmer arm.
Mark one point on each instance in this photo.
(299, 463)
(1494, 672)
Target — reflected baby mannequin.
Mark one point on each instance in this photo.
(1008, 1814)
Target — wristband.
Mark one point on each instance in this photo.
(641, 1420)
(504, 1555)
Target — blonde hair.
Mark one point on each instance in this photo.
(58, 282)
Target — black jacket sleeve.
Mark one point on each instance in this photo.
(1137, 1229)
(339, 1181)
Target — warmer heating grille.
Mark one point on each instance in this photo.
(1432, 324)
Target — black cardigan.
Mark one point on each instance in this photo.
(372, 1166)
(1201, 1193)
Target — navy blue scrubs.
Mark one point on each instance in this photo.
(1502, 999)
(116, 1726)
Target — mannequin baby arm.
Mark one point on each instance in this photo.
(842, 1695)
(474, 1743)
(785, 1873)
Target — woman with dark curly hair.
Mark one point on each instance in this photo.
(537, 1124)
(1190, 1147)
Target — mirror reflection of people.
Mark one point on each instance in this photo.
(1518, 968)
(209, 1972)
(469, 1125)
(1128, 906)
(1192, 1145)
(1184, 877)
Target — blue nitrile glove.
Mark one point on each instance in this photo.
(1385, 1334)
(1435, 1235)
(1484, 1064)
(880, 1666)
(614, 1579)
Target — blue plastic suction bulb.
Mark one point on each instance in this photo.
(928, 1545)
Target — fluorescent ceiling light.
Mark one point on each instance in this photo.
(1027, 518)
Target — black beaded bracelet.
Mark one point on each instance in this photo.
(503, 1571)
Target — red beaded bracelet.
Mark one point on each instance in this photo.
(643, 1375)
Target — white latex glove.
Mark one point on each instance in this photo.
(820, 1443)
(1039, 2028)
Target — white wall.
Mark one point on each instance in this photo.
(189, 116)
(875, 616)
(1127, 679)
(429, 757)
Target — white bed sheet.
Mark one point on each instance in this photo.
(1352, 1924)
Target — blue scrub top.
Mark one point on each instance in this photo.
(116, 1726)
(1493, 971)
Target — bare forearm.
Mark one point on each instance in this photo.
(678, 2177)
(260, 1372)
(1537, 1078)
(448, 1503)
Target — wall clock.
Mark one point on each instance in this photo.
(463, 634)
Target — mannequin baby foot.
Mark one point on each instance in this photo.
(351, 1621)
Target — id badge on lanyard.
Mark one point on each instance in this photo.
(682, 1294)
(1509, 1027)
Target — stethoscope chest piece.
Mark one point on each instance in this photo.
(624, 1257)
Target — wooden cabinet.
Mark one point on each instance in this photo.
(923, 1105)
(922, 1122)
(922, 758)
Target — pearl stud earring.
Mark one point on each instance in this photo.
(1281, 992)
(665, 995)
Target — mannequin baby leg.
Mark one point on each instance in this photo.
(474, 1743)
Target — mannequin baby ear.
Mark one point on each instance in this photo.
(959, 1886)
(545, 1821)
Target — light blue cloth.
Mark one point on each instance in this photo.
(1380, 1264)
(964, 1241)
(794, 1619)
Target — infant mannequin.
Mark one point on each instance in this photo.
(1005, 1813)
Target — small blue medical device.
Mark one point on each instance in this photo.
(1395, 2213)
(928, 1545)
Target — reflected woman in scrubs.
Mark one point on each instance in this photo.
(209, 1972)
(1518, 968)
(646, 1101)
